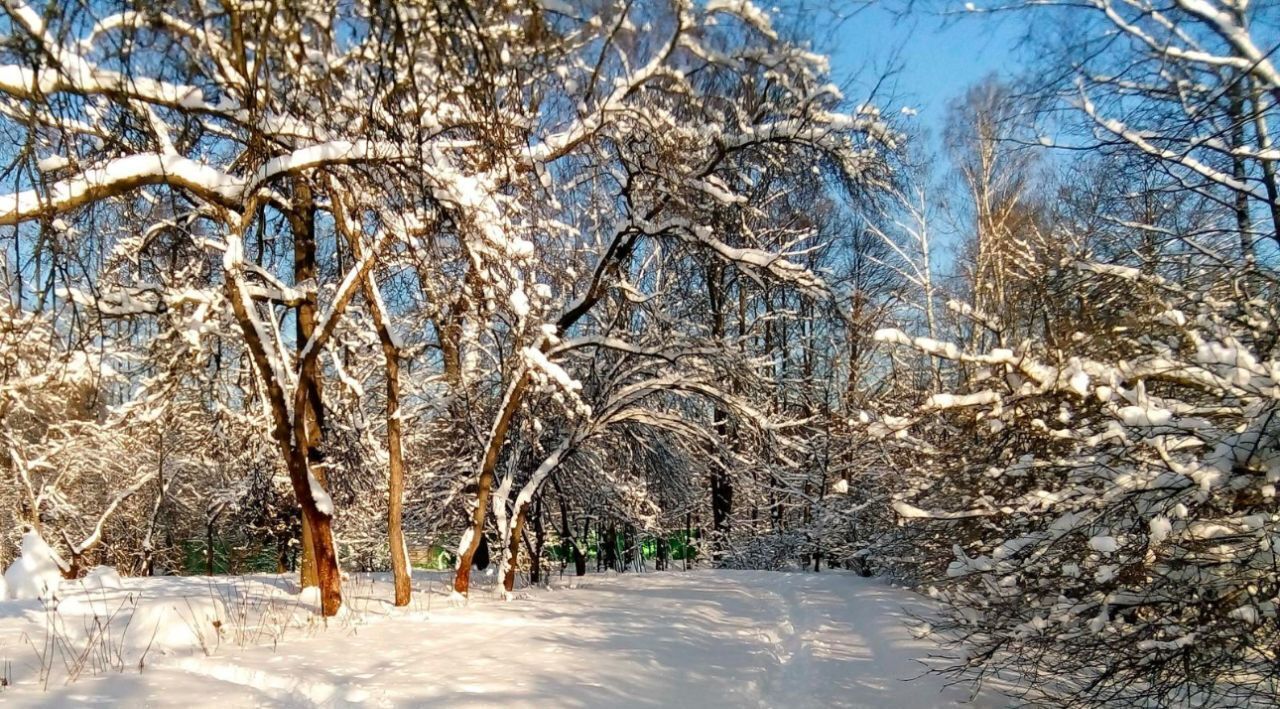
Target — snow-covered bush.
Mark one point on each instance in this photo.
(776, 552)
(37, 573)
(1107, 512)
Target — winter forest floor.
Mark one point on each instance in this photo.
(679, 639)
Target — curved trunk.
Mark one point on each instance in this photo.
(619, 251)
(291, 438)
(467, 550)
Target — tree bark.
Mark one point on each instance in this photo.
(395, 480)
(462, 578)
(290, 438)
(539, 538)
(611, 548)
(721, 483)
(395, 470)
(619, 251)
(302, 220)
(513, 553)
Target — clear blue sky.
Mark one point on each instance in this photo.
(937, 56)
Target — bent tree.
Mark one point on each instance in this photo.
(663, 132)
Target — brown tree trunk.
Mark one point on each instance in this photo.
(395, 483)
(291, 438)
(323, 553)
(611, 549)
(688, 538)
(618, 253)
(302, 224)
(462, 579)
(395, 453)
(629, 544)
(535, 551)
(208, 542)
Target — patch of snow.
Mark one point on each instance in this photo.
(102, 577)
(1104, 544)
(324, 503)
(52, 163)
(1160, 528)
(37, 573)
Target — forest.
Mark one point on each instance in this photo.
(381, 299)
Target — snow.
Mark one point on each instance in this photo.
(1248, 614)
(324, 503)
(539, 360)
(950, 401)
(746, 10)
(52, 163)
(1138, 416)
(700, 638)
(1160, 529)
(1104, 544)
(912, 512)
(175, 623)
(519, 304)
(102, 577)
(1079, 383)
(557, 6)
(37, 573)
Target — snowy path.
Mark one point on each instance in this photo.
(700, 639)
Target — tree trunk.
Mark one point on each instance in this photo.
(629, 548)
(395, 479)
(539, 538)
(291, 439)
(302, 224)
(462, 578)
(395, 470)
(1268, 165)
(721, 484)
(513, 553)
(611, 548)
(208, 548)
(618, 253)
(688, 534)
(1244, 225)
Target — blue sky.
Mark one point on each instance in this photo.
(937, 57)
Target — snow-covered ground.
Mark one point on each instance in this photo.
(681, 639)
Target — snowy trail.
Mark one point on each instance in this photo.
(698, 639)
